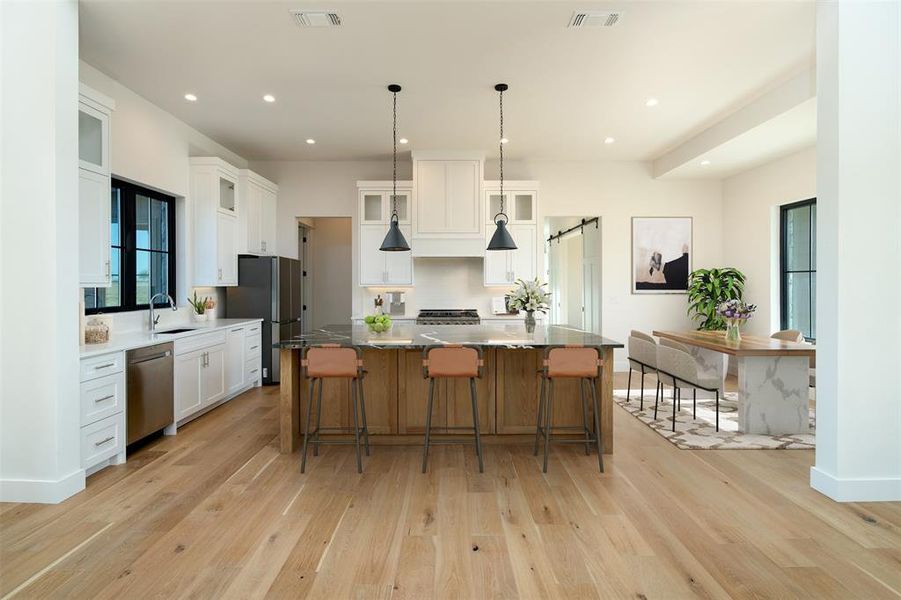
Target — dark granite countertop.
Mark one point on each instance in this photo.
(409, 335)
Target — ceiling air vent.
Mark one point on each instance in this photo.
(316, 18)
(595, 19)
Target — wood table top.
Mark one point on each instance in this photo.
(749, 345)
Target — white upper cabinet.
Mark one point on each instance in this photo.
(503, 268)
(448, 195)
(216, 205)
(377, 268)
(94, 113)
(256, 214)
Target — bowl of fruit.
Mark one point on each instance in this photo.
(378, 323)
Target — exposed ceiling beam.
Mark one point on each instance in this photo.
(765, 107)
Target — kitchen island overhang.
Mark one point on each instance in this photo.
(395, 390)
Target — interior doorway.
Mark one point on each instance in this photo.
(573, 259)
(326, 254)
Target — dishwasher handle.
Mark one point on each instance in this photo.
(149, 358)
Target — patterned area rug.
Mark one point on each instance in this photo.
(700, 433)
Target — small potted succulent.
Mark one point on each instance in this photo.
(530, 296)
(199, 306)
(734, 313)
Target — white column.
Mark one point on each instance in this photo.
(39, 414)
(858, 454)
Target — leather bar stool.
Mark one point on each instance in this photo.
(332, 361)
(452, 361)
(572, 362)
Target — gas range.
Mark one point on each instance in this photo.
(466, 316)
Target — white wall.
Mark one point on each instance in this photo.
(751, 202)
(151, 147)
(331, 273)
(40, 454)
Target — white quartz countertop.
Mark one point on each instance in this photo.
(129, 340)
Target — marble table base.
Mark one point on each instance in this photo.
(773, 395)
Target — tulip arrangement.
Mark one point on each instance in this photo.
(734, 313)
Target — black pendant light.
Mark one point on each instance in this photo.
(501, 240)
(394, 240)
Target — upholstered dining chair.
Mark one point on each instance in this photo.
(677, 368)
(643, 359)
(789, 335)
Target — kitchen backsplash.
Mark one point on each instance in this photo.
(137, 320)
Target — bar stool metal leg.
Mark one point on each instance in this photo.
(597, 425)
(363, 415)
(428, 425)
(353, 395)
(585, 421)
(318, 418)
(475, 422)
(548, 419)
(540, 415)
(306, 433)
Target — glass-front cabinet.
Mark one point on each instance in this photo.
(519, 205)
(503, 268)
(376, 206)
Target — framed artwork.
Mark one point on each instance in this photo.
(661, 255)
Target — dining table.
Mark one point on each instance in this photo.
(773, 377)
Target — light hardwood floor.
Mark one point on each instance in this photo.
(217, 512)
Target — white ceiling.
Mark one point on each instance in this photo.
(569, 88)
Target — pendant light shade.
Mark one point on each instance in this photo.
(394, 240)
(501, 240)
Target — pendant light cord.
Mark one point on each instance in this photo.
(394, 175)
(501, 146)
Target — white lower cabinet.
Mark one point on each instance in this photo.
(102, 400)
(199, 380)
(235, 343)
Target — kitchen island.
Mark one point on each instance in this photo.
(396, 392)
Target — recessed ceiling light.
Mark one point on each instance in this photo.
(190, 97)
(311, 141)
(651, 102)
(609, 140)
(705, 162)
(403, 140)
(504, 140)
(269, 98)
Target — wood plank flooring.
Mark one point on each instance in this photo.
(217, 512)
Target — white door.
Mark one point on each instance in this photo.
(267, 222)
(372, 260)
(93, 229)
(212, 375)
(187, 384)
(399, 265)
(253, 215)
(591, 278)
(234, 359)
(227, 249)
(523, 258)
(496, 267)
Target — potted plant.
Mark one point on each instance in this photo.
(199, 307)
(707, 289)
(530, 296)
(734, 313)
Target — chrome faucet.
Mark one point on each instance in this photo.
(154, 318)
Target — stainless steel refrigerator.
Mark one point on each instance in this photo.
(269, 288)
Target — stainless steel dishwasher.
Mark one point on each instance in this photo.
(149, 381)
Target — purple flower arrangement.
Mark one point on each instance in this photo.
(736, 310)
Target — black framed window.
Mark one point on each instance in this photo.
(142, 250)
(798, 258)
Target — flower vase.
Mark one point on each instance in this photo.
(530, 321)
(733, 333)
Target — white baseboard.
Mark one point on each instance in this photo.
(42, 491)
(886, 489)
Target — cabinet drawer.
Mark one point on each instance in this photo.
(102, 440)
(253, 346)
(100, 366)
(253, 370)
(101, 398)
(197, 342)
(254, 329)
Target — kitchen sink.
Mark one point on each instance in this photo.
(173, 331)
